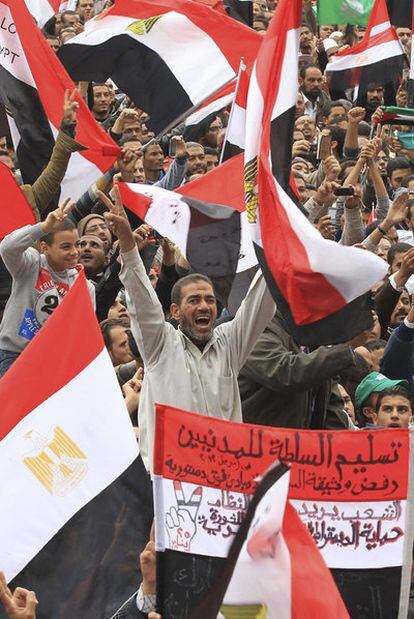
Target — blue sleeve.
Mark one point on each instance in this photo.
(397, 362)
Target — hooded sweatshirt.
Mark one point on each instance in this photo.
(36, 289)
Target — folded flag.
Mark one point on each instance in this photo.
(316, 283)
(351, 490)
(344, 11)
(32, 87)
(65, 439)
(378, 59)
(15, 210)
(181, 51)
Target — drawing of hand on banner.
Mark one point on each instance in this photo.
(181, 523)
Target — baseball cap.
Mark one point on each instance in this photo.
(375, 382)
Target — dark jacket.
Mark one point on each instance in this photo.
(129, 610)
(282, 386)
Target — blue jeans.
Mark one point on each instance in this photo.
(7, 358)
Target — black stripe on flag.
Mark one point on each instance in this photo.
(36, 139)
(213, 244)
(90, 567)
(242, 10)
(400, 12)
(340, 327)
(136, 70)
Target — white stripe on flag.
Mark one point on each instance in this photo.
(367, 57)
(41, 10)
(237, 128)
(12, 57)
(165, 38)
(287, 95)
(97, 422)
(380, 28)
(214, 106)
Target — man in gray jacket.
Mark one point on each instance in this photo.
(195, 367)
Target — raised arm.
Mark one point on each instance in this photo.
(147, 317)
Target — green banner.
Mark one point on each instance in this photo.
(344, 11)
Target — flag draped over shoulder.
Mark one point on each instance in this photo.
(181, 51)
(15, 211)
(69, 502)
(344, 11)
(317, 283)
(352, 490)
(32, 87)
(378, 59)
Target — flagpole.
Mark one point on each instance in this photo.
(232, 108)
(187, 113)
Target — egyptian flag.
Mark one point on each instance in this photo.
(32, 87)
(204, 220)
(273, 564)
(236, 129)
(181, 51)
(400, 12)
(316, 283)
(15, 211)
(241, 10)
(379, 58)
(69, 464)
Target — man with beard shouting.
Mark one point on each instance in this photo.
(196, 366)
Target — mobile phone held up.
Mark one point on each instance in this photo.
(344, 191)
(172, 148)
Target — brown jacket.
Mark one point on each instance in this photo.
(41, 193)
(282, 386)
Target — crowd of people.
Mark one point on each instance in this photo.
(167, 337)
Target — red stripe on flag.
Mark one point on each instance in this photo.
(16, 211)
(134, 201)
(66, 344)
(223, 185)
(308, 571)
(233, 38)
(52, 81)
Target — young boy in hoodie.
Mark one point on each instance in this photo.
(40, 278)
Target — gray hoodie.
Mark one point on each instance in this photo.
(35, 288)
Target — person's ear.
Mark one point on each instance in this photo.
(175, 311)
(374, 417)
(369, 413)
(43, 247)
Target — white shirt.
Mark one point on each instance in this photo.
(177, 373)
(310, 107)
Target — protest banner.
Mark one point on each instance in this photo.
(351, 490)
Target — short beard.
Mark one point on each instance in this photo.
(194, 335)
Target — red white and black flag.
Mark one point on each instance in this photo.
(378, 59)
(78, 506)
(205, 220)
(317, 283)
(15, 211)
(234, 139)
(32, 87)
(181, 51)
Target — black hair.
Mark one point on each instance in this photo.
(396, 249)
(375, 345)
(302, 72)
(187, 279)
(66, 225)
(108, 324)
(392, 391)
(398, 163)
(208, 150)
(364, 129)
(338, 135)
